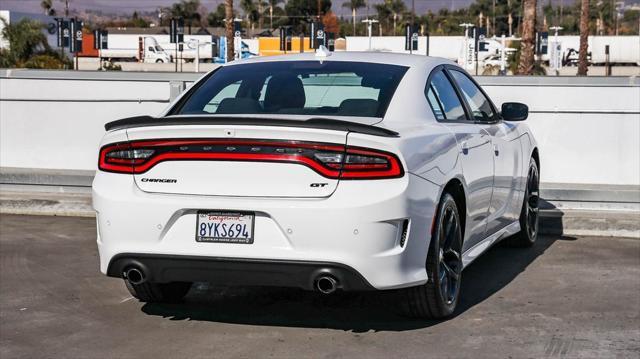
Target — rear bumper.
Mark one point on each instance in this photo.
(355, 232)
(237, 271)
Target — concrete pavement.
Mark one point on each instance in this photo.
(565, 297)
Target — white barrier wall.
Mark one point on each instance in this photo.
(588, 128)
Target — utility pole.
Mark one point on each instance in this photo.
(66, 8)
(369, 23)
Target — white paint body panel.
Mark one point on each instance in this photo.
(359, 222)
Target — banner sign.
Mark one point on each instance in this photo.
(75, 33)
(176, 30)
(63, 32)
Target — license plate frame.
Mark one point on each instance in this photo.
(222, 215)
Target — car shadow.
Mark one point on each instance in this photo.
(357, 312)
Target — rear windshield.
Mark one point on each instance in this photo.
(297, 88)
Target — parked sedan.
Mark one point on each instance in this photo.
(327, 171)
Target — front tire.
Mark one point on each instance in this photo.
(438, 298)
(529, 215)
(158, 292)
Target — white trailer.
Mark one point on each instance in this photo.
(622, 49)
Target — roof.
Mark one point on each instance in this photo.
(371, 57)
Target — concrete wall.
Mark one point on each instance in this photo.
(588, 128)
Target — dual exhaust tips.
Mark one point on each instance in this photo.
(324, 284)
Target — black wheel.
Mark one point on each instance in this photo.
(529, 216)
(439, 296)
(159, 292)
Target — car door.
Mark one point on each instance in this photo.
(475, 151)
(505, 200)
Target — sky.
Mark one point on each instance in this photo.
(128, 6)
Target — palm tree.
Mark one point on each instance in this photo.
(584, 34)
(25, 39)
(526, 64)
(47, 6)
(354, 5)
(228, 15)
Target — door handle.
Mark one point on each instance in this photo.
(465, 148)
(496, 150)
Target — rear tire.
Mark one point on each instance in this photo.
(159, 292)
(438, 298)
(529, 215)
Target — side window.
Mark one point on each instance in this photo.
(443, 99)
(478, 102)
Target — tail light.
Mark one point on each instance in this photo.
(329, 160)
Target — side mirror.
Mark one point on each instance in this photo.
(514, 111)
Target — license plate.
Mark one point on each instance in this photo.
(225, 227)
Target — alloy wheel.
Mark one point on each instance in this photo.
(532, 203)
(449, 258)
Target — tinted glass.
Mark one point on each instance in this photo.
(297, 88)
(443, 99)
(478, 102)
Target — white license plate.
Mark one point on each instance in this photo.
(225, 227)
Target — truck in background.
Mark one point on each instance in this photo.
(134, 48)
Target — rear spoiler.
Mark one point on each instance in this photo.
(321, 123)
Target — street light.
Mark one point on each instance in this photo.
(369, 23)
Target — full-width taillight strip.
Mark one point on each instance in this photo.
(140, 156)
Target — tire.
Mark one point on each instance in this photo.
(529, 215)
(438, 298)
(159, 292)
(159, 61)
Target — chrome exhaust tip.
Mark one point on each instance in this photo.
(134, 276)
(326, 284)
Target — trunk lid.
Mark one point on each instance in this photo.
(238, 160)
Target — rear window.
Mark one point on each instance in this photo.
(297, 88)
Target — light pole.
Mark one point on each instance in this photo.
(369, 23)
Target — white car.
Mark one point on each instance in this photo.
(343, 171)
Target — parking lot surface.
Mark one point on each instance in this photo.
(565, 297)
